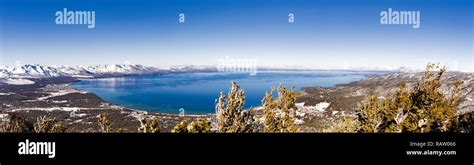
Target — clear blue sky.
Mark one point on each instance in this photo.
(326, 33)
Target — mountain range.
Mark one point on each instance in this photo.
(43, 71)
(47, 71)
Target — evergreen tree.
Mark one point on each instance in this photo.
(344, 125)
(16, 124)
(182, 127)
(198, 126)
(280, 113)
(149, 126)
(49, 125)
(229, 112)
(104, 122)
(423, 108)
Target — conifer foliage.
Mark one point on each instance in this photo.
(16, 124)
(280, 113)
(49, 125)
(230, 115)
(423, 108)
(198, 126)
(43, 124)
(149, 126)
(104, 122)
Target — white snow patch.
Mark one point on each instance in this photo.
(138, 114)
(82, 76)
(12, 81)
(60, 101)
(321, 106)
(74, 114)
(78, 121)
(6, 94)
(300, 114)
(61, 93)
(298, 105)
(299, 121)
(56, 109)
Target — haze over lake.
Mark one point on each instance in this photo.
(196, 93)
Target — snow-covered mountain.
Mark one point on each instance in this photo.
(41, 71)
(28, 70)
(120, 69)
(71, 70)
(190, 68)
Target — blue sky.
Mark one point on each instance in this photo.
(325, 34)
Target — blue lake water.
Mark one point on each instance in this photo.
(196, 92)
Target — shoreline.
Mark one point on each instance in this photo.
(75, 107)
(374, 74)
(79, 109)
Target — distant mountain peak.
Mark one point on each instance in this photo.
(43, 71)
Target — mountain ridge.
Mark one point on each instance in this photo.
(45, 71)
(48, 71)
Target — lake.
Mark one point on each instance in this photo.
(196, 92)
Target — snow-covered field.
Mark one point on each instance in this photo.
(320, 107)
(55, 109)
(18, 81)
(6, 94)
(59, 90)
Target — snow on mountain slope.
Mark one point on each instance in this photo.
(71, 70)
(40, 71)
(29, 70)
(120, 69)
(4, 73)
(17, 81)
(190, 68)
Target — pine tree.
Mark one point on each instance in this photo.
(16, 124)
(344, 125)
(198, 126)
(230, 115)
(181, 127)
(149, 126)
(104, 122)
(49, 125)
(423, 108)
(280, 113)
(432, 110)
(371, 116)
